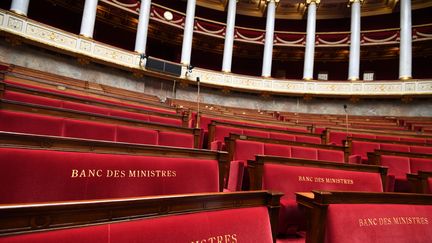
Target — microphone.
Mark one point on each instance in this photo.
(197, 125)
(346, 123)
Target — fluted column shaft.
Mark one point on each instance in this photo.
(405, 59)
(310, 40)
(229, 36)
(89, 18)
(143, 23)
(354, 55)
(20, 6)
(188, 33)
(268, 45)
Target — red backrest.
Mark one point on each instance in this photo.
(296, 129)
(331, 155)
(307, 139)
(429, 182)
(89, 130)
(176, 139)
(282, 136)
(358, 223)
(33, 99)
(223, 131)
(290, 179)
(415, 140)
(420, 164)
(395, 147)
(337, 137)
(256, 133)
(136, 135)
(421, 149)
(304, 153)
(250, 224)
(30, 123)
(246, 150)
(390, 138)
(362, 135)
(42, 175)
(362, 148)
(397, 165)
(277, 150)
(86, 108)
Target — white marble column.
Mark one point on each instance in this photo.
(20, 6)
(310, 40)
(143, 22)
(229, 36)
(268, 45)
(89, 18)
(405, 58)
(188, 33)
(354, 55)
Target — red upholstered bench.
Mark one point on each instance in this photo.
(340, 217)
(216, 217)
(294, 175)
(32, 175)
(400, 164)
(33, 99)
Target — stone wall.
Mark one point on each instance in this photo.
(37, 58)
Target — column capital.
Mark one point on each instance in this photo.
(350, 2)
(308, 2)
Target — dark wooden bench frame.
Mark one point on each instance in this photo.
(419, 181)
(32, 218)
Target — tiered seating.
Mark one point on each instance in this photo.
(400, 164)
(289, 176)
(53, 121)
(34, 95)
(359, 147)
(340, 217)
(216, 217)
(43, 169)
(219, 130)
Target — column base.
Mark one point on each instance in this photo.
(307, 79)
(226, 71)
(266, 76)
(353, 79)
(405, 77)
(86, 36)
(15, 11)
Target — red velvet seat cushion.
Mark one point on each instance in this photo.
(277, 150)
(282, 136)
(246, 150)
(89, 130)
(175, 139)
(30, 123)
(350, 223)
(231, 225)
(136, 135)
(41, 176)
(304, 153)
(33, 99)
(397, 165)
(235, 178)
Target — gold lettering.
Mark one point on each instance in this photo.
(219, 239)
(132, 173)
(99, 173)
(228, 238)
(74, 173)
(174, 173)
(82, 174)
(234, 238)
